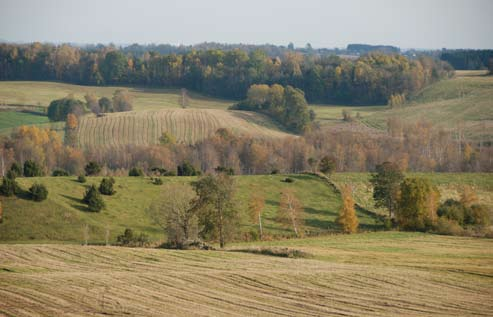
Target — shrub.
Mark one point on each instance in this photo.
(59, 172)
(9, 187)
(453, 210)
(129, 239)
(448, 227)
(16, 169)
(134, 171)
(187, 169)
(477, 215)
(226, 170)
(106, 186)
(38, 192)
(327, 165)
(93, 199)
(32, 169)
(92, 168)
(126, 237)
(81, 179)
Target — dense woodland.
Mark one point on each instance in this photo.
(469, 59)
(370, 79)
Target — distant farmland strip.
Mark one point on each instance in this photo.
(187, 125)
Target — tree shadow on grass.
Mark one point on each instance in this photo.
(79, 205)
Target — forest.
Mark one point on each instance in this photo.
(369, 79)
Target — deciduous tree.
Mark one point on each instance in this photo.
(347, 218)
(291, 211)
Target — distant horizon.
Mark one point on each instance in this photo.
(418, 24)
(82, 44)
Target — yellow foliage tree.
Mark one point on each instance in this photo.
(468, 197)
(347, 215)
(71, 121)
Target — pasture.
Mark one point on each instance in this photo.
(371, 274)
(62, 217)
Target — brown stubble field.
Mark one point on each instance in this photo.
(373, 274)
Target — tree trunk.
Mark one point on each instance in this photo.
(260, 224)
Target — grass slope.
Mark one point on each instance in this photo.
(373, 274)
(12, 119)
(62, 216)
(187, 125)
(449, 185)
(466, 99)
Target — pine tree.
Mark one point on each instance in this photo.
(93, 199)
(347, 215)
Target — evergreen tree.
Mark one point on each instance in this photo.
(93, 199)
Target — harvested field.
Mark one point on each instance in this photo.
(187, 125)
(378, 274)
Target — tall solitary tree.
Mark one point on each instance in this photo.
(215, 205)
(347, 215)
(386, 186)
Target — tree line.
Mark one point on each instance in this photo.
(413, 146)
(469, 59)
(370, 79)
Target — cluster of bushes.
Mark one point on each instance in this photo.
(287, 105)
(415, 202)
(10, 187)
(129, 239)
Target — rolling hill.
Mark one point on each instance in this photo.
(187, 125)
(464, 101)
(62, 216)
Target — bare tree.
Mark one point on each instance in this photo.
(184, 99)
(256, 206)
(290, 210)
(173, 212)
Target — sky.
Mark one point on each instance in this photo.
(419, 24)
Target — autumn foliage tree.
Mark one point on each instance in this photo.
(291, 211)
(418, 203)
(386, 186)
(347, 218)
(70, 129)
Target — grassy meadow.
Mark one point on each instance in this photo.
(62, 217)
(449, 185)
(370, 274)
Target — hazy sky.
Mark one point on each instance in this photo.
(404, 23)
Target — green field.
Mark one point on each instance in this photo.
(371, 274)
(12, 119)
(62, 216)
